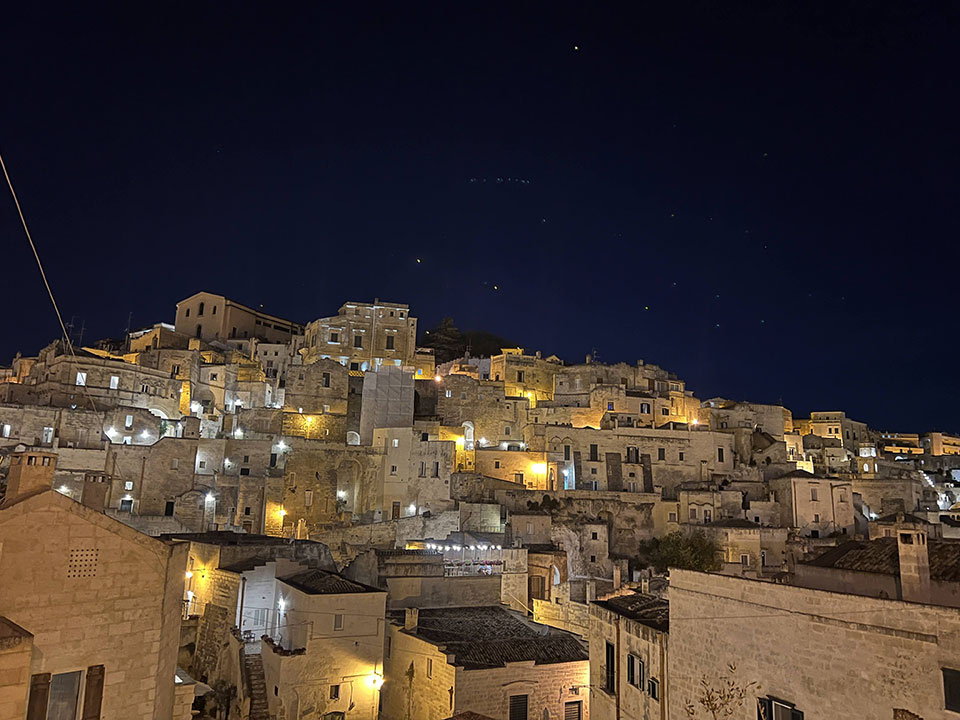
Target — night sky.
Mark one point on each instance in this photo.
(759, 197)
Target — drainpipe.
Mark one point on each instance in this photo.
(243, 592)
(616, 679)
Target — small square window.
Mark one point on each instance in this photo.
(593, 536)
(334, 692)
(128, 485)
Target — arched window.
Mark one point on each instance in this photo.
(353, 438)
(199, 330)
(200, 310)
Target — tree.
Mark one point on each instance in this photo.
(693, 551)
(723, 698)
(449, 343)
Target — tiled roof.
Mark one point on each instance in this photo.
(490, 637)
(227, 537)
(882, 556)
(649, 610)
(469, 715)
(321, 582)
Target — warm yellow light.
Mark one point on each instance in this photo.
(437, 378)
(376, 681)
(282, 512)
(309, 419)
(459, 442)
(188, 574)
(695, 421)
(538, 468)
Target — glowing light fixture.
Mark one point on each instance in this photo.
(281, 604)
(210, 497)
(281, 445)
(539, 468)
(64, 489)
(188, 574)
(282, 512)
(376, 681)
(437, 378)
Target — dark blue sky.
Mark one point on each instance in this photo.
(761, 197)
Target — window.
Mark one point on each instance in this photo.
(423, 469)
(326, 379)
(635, 671)
(338, 622)
(951, 689)
(168, 508)
(429, 667)
(128, 485)
(396, 442)
(244, 471)
(664, 411)
(114, 382)
(334, 692)
(390, 342)
(393, 469)
(448, 393)
(594, 453)
(566, 453)
(273, 459)
(653, 687)
(203, 464)
(81, 378)
(506, 429)
(187, 313)
(358, 341)
(593, 558)
(200, 310)
(745, 560)
(661, 454)
(671, 517)
(816, 517)
(496, 464)
(693, 513)
(126, 506)
(6, 431)
(593, 536)
(719, 454)
(213, 377)
(573, 710)
(519, 376)
(436, 470)
(813, 494)
(610, 669)
(128, 422)
(644, 408)
(770, 708)
(633, 455)
(334, 337)
(518, 707)
(610, 405)
(174, 464)
(246, 510)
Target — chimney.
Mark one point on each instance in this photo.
(411, 618)
(616, 578)
(914, 562)
(31, 472)
(95, 490)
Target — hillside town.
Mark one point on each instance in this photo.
(239, 516)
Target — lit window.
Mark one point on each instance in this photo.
(81, 378)
(128, 422)
(114, 382)
(338, 622)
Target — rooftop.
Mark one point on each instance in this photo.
(321, 582)
(883, 557)
(648, 610)
(733, 523)
(490, 637)
(226, 537)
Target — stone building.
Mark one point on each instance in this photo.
(811, 653)
(628, 657)
(321, 387)
(364, 336)
(815, 506)
(487, 660)
(723, 414)
(326, 654)
(217, 318)
(415, 474)
(89, 608)
(938, 443)
(525, 376)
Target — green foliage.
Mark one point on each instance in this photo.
(449, 343)
(685, 551)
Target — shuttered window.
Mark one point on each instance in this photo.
(518, 707)
(610, 674)
(93, 693)
(573, 710)
(39, 696)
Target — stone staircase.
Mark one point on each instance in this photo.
(257, 686)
